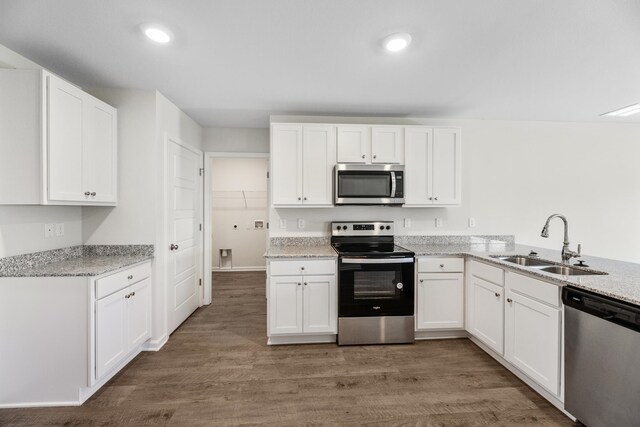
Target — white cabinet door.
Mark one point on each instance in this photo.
(320, 304)
(533, 339)
(286, 165)
(285, 305)
(446, 160)
(100, 152)
(66, 124)
(387, 144)
(354, 143)
(139, 313)
(417, 169)
(487, 313)
(440, 301)
(318, 161)
(111, 331)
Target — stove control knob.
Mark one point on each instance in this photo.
(339, 228)
(388, 227)
(400, 286)
(382, 227)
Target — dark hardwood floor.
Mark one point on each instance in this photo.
(217, 370)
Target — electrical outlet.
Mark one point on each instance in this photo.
(283, 223)
(438, 222)
(300, 223)
(60, 229)
(48, 230)
(472, 222)
(407, 223)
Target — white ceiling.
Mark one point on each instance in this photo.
(235, 62)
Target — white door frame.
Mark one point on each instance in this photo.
(207, 217)
(168, 138)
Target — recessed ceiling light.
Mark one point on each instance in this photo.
(157, 34)
(396, 42)
(624, 112)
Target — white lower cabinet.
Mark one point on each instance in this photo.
(533, 335)
(303, 304)
(122, 318)
(485, 305)
(440, 293)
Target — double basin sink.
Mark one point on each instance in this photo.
(547, 266)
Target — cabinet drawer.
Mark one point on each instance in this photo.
(534, 288)
(297, 267)
(115, 282)
(440, 265)
(488, 272)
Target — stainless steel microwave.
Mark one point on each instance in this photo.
(369, 184)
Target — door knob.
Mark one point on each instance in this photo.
(173, 247)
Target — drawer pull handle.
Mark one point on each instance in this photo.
(299, 284)
(86, 193)
(130, 277)
(498, 295)
(305, 283)
(421, 280)
(509, 300)
(93, 193)
(441, 265)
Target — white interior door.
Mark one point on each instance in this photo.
(183, 234)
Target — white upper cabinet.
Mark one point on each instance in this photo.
(370, 144)
(432, 166)
(302, 161)
(63, 142)
(387, 144)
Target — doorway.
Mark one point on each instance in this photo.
(236, 212)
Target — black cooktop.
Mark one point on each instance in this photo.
(372, 249)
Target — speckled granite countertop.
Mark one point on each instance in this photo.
(91, 260)
(621, 282)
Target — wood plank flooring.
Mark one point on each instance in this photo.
(217, 370)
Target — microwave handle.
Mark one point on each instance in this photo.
(393, 184)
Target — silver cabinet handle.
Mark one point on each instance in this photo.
(363, 156)
(509, 300)
(299, 198)
(173, 247)
(497, 295)
(86, 193)
(299, 284)
(130, 276)
(305, 283)
(305, 198)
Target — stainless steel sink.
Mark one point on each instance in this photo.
(568, 271)
(525, 260)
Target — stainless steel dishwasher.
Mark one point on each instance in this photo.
(602, 359)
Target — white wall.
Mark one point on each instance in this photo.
(239, 140)
(22, 227)
(515, 174)
(229, 178)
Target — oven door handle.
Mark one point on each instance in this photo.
(346, 260)
(393, 184)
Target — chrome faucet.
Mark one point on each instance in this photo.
(567, 253)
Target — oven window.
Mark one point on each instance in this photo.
(374, 285)
(357, 184)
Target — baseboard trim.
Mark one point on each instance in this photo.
(237, 269)
(38, 404)
(441, 335)
(155, 345)
(301, 339)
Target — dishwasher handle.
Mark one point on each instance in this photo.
(608, 309)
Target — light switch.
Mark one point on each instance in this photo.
(300, 223)
(472, 222)
(438, 222)
(407, 223)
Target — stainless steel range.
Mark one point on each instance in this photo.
(375, 284)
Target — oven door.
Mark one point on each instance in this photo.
(375, 286)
